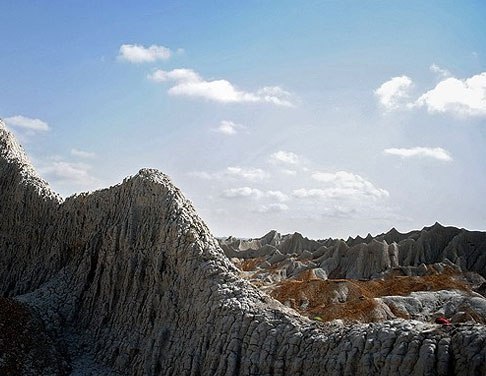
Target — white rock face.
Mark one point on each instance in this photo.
(129, 281)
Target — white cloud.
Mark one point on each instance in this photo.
(272, 208)
(190, 84)
(33, 125)
(393, 92)
(459, 97)
(341, 185)
(440, 71)
(82, 153)
(228, 128)
(255, 193)
(277, 195)
(285, 157)
(340, 193)
(68, 172)
(178, 75)
(232, 172)
(245, 192)
(136, 53)
(275, 95)
(251, 174)
(420, 152)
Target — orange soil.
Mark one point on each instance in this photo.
(321, 296)
(249, 264)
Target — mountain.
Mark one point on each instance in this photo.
(129, 281)
(369, 257)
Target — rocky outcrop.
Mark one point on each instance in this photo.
(369, 257)
(129, 281)
(267, 245)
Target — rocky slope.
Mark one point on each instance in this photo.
(129, 281)
(373, 278)
(369, 257)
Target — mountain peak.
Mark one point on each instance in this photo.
(17, 167)
(10, 149)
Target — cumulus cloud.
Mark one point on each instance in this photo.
(394, 92)
(189, 83)
(277, 195)
(341, 185)
(285, 157)
(420, 152)
(245, 192)
(254, 193)
(136, 53)
(33, 125)
(82, 154)
(228, 128)
(440, 71)
(455, 96)
(460, 97)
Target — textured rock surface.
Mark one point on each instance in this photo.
(128, 280)
(369, 257)
(25, 347)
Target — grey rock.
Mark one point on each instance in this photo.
(129, 281)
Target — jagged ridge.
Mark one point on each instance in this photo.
(369, 257)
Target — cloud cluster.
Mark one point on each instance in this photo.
(440, 71)
(242, 192)
(275, 200)
(189, 83)
(321, 193)
(228, 128)
(420, 152)
(248, 192)
(285, 157)
(136, 53)
(341, 185)
(393, 92)
(460, 97)
(26, 123)
(251, 174)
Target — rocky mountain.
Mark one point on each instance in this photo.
(129, 281)
(423, 275)
(369, 257)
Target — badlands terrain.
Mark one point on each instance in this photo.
(129, 281)
(422, 275)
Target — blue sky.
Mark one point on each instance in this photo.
(331, 118)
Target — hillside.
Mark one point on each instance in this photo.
(129, 281)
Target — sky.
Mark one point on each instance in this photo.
(330, 118)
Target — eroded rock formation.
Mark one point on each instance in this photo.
(129, 281)
(371, 279)
(369, 257)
